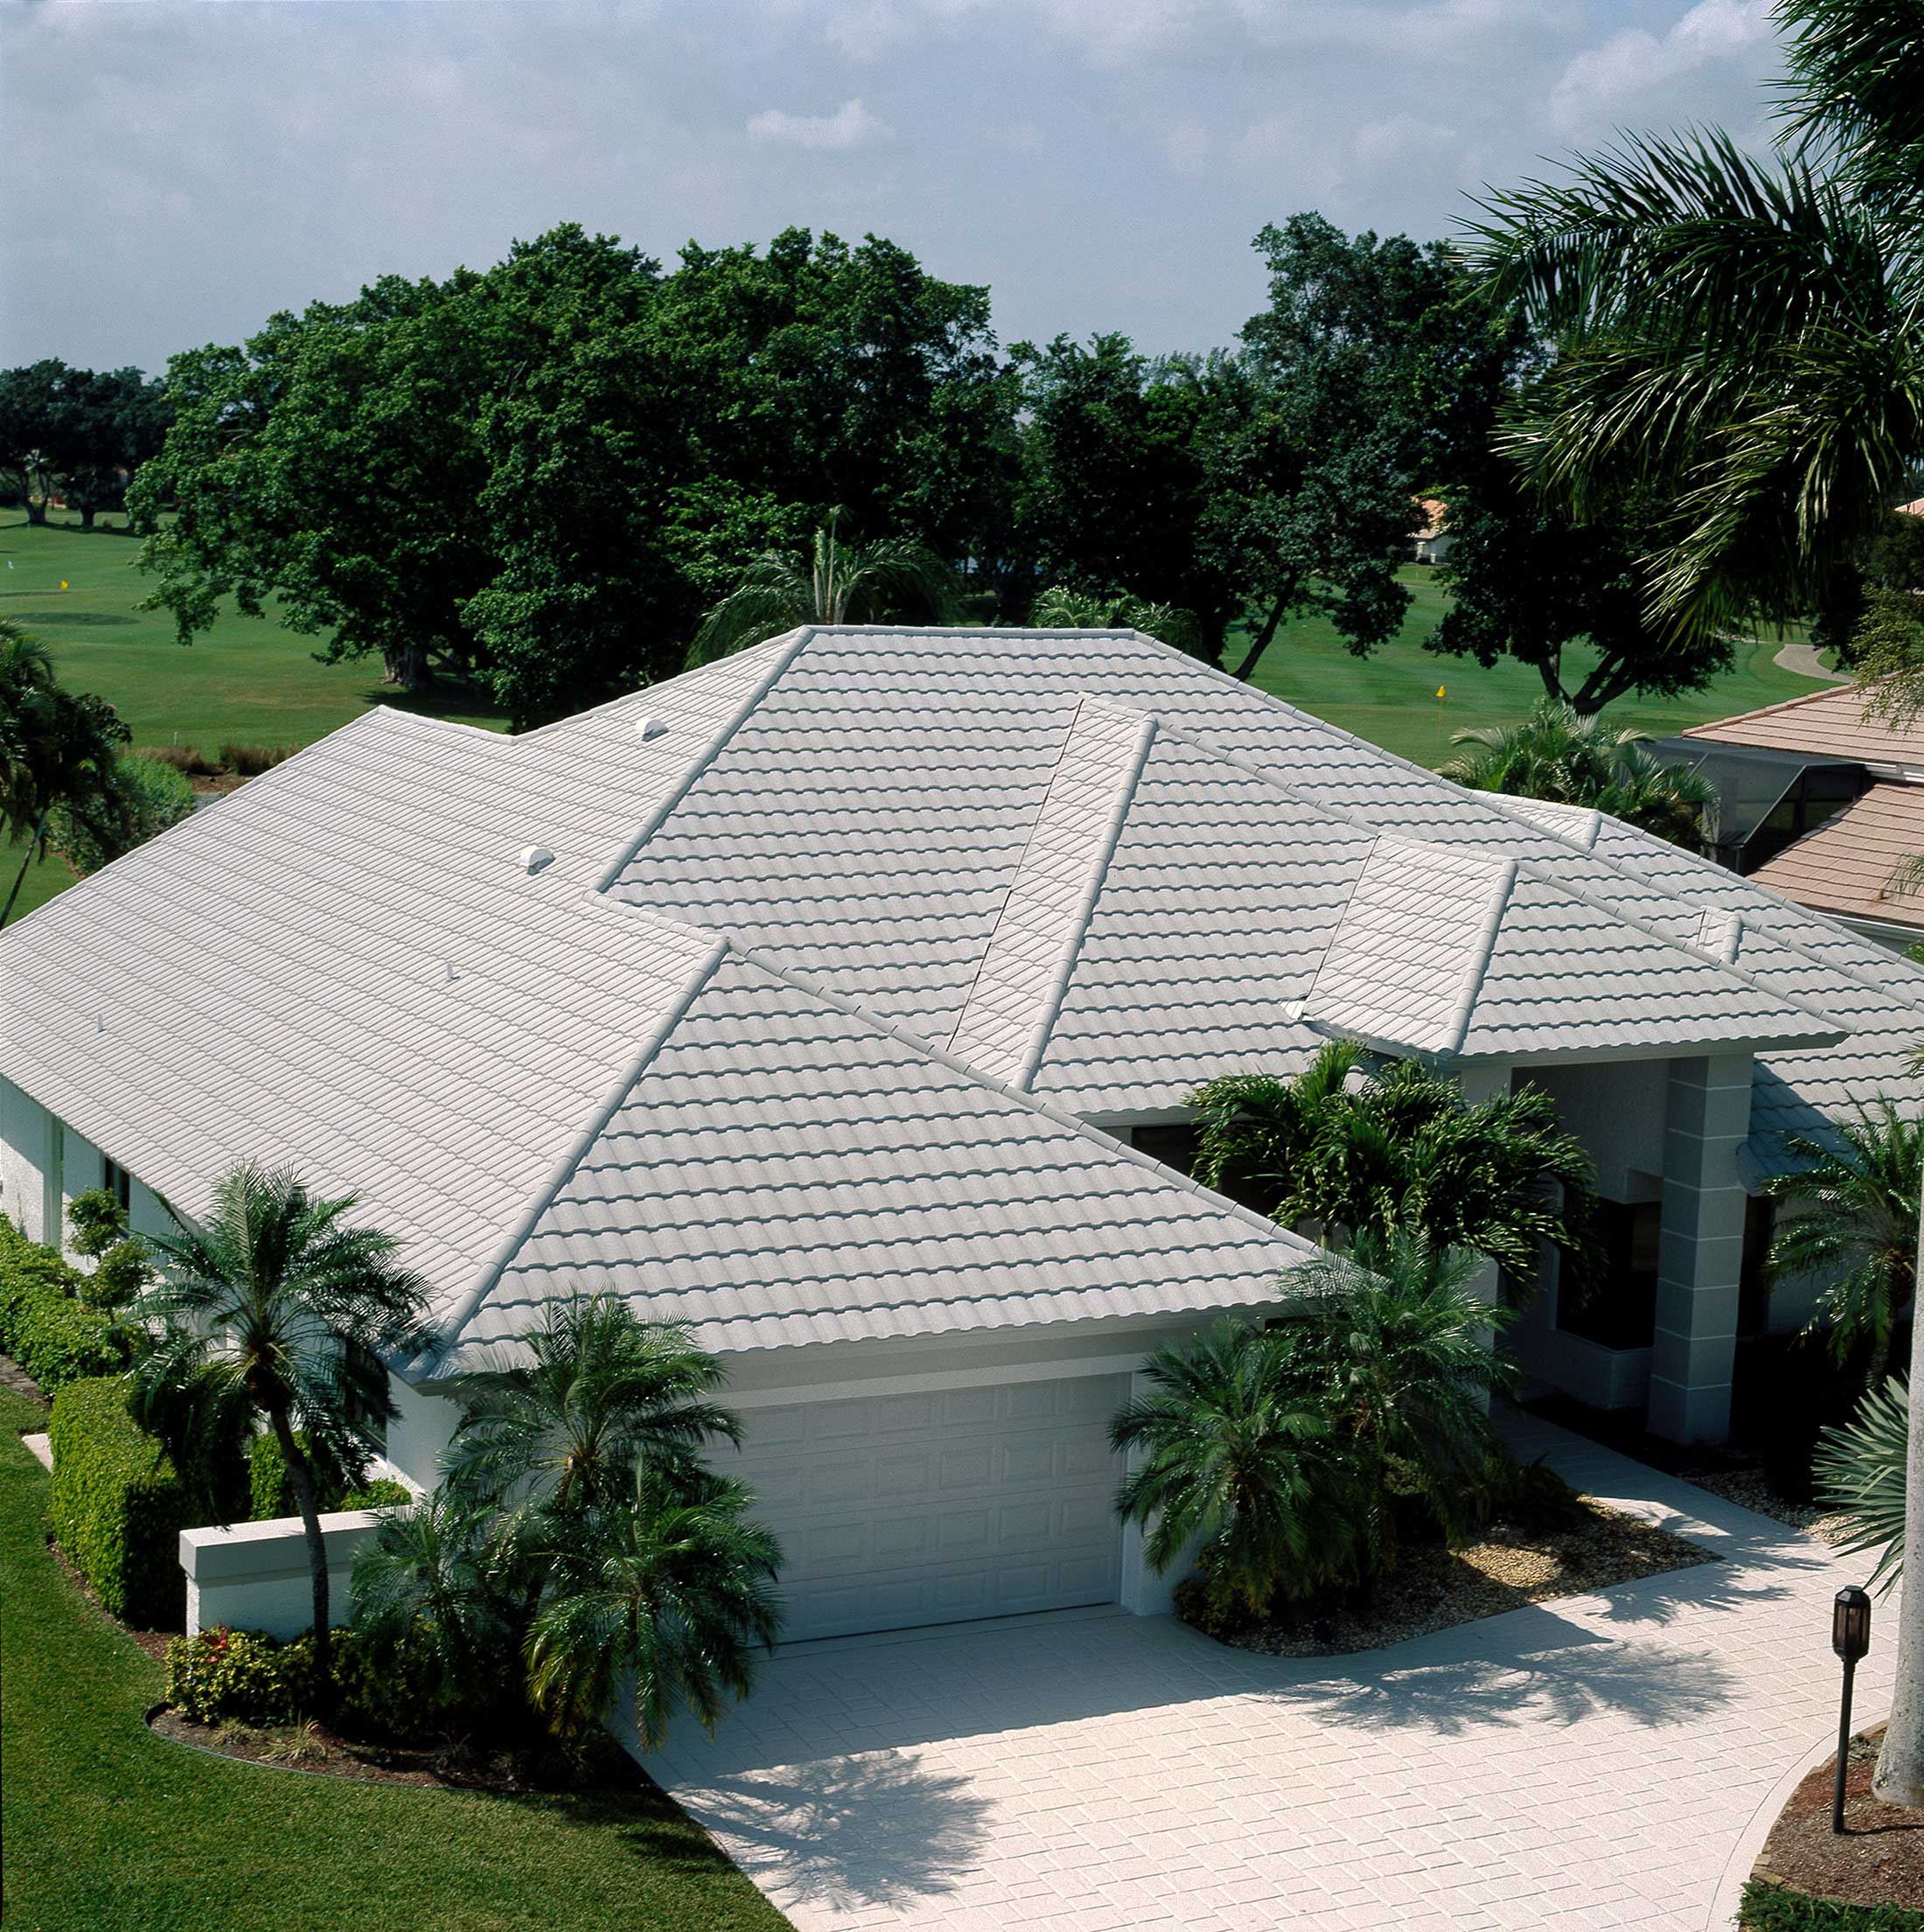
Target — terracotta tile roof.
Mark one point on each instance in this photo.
(1829, 724)
(1845, 864)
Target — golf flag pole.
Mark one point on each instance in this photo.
(1440, 718)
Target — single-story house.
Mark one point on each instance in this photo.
(1822, 803)
(842, 1000)
(1430, 542)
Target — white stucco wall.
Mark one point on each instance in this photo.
(255, 1576)
(419, 1433)
(25, 1151)
(1617, 1110)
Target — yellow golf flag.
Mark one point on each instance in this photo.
(63, 583)
(1438, 689)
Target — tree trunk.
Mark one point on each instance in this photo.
(36, 512)
(1246, 669)
(87, 516)
(20, 877)
(302, 1480)
(406, 664)
(1900, 1776)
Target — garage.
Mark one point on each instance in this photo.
(941, 1505)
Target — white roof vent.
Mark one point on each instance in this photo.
(651, 727)
(533, 857)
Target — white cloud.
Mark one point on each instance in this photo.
(1602, 80)
(850, 126)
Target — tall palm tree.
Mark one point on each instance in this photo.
(1858, 1199)
(1561, 755)
(1231, 1447)
(1362, 1149)
(600, 1392)
(1403, 1338)
(837, 583)
(666, 1602)
(1750, 335)
(58, 749)
(277, 1300)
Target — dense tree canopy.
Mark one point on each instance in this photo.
(79, 433)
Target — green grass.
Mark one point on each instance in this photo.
(1390, 697)
(109, 1828)
(1772, 1908)
(254, 681)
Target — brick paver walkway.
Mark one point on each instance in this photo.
(1588, 1764)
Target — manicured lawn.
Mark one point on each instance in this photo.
(1390, 697)
(108, 1828)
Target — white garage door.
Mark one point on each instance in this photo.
(898, 1510)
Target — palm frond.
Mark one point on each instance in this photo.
(1861, 1469)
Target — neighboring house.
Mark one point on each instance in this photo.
(1430, 542)
(1820, 803)
(834, 1000)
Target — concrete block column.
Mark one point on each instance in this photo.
(1701, 1253)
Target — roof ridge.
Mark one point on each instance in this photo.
(652, 821)
(1095, 861)
(448, 1328)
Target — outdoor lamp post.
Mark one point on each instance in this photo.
(1850, 1639)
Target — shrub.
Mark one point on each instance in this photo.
(186, 758)
(240, 1676)
(1769, 1908)
(243, 1677)
(270, 1488)
(142, 798)
(122, 1265)
(118, 1506)
(249, 761)
(383, 1492)
(53, 1334)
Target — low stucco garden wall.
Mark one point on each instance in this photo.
(254, 1576)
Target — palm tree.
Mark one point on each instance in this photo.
(1559, 755)
(1402, 1335)
(430, 1586)
(274, 1299)
(837, 583)
(601, 1393)
(57, 747)
(1360, 1149)
(666, 1602)
(1233, 1449)
(1858, 1198)
(1749, 335)
(1860, 1470)
(1061, 608)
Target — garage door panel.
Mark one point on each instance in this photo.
(897, 1510)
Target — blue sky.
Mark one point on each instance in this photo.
(176, 172)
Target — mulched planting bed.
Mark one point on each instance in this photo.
(456, 1765)
(1877, 1861)
(1433, 1588)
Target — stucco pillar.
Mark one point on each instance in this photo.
(1701, 1254)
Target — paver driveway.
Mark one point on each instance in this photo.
(1591, 1763)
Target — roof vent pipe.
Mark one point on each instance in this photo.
(533, 857)
(651, 727)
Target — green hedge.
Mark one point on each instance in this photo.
(53, 1336)
(118, 1508)
(243, 1677)
(383, 1492)
(270, 1488)
(1775, 1909)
